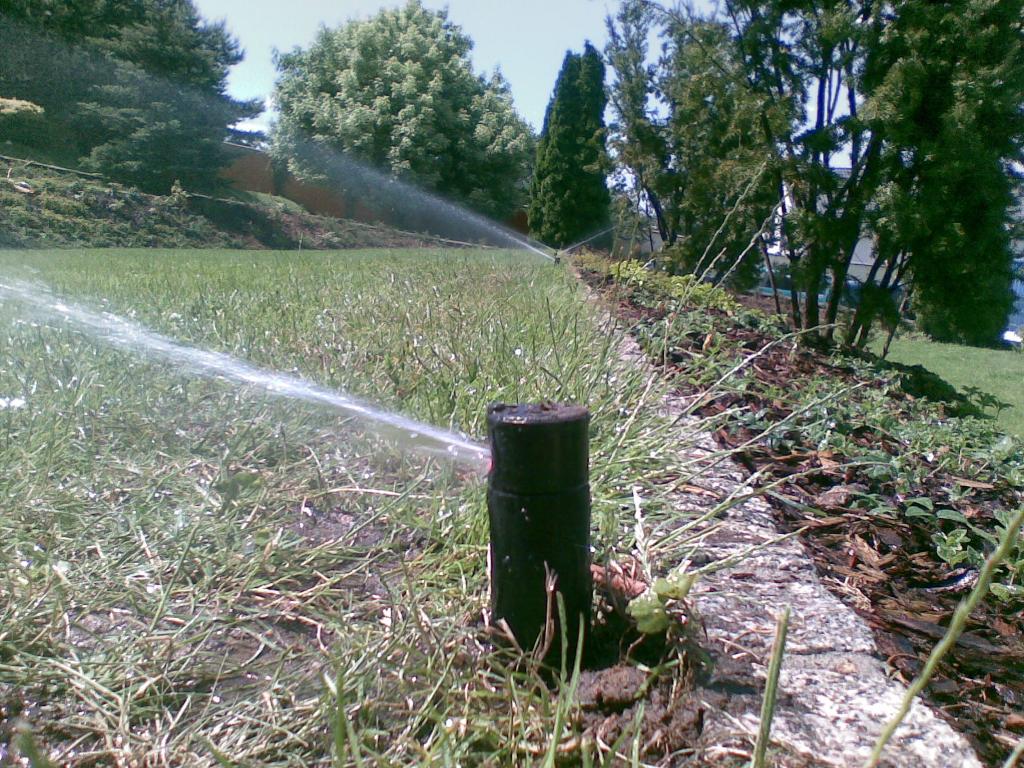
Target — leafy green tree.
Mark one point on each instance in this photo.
(397, 91)
(637, 136)
(569, 197)
(899, 120)
(156, 134)
(700, 163)
(805, 62)
(135, 88)
(724, 195)
(164, 38)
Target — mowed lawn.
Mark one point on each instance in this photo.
(202, 574)
(997, 372)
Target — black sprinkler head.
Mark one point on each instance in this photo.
(538, 500)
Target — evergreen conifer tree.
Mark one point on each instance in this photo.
(136, 89)
(569, 198)
(950, 83)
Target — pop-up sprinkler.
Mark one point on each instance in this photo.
(538, 498)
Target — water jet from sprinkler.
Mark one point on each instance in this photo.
(574, 246)
(127, 335)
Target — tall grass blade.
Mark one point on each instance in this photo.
(1014, 757)
(771, 691)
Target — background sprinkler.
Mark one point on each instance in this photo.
(538, 500)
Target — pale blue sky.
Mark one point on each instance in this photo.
(526, 38)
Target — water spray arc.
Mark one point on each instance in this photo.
(434, 213)
(586, 240)
(127, 335)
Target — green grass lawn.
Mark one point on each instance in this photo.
(201, 574)
(998, 372)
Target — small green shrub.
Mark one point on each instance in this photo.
(660, 285)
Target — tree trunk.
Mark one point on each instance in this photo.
(839, 272)
(896, 325)
(659, 215)
(771, 277)
(859, 318)
(791, 257)
(811, 285)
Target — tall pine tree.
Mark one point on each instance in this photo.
(569, 198)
